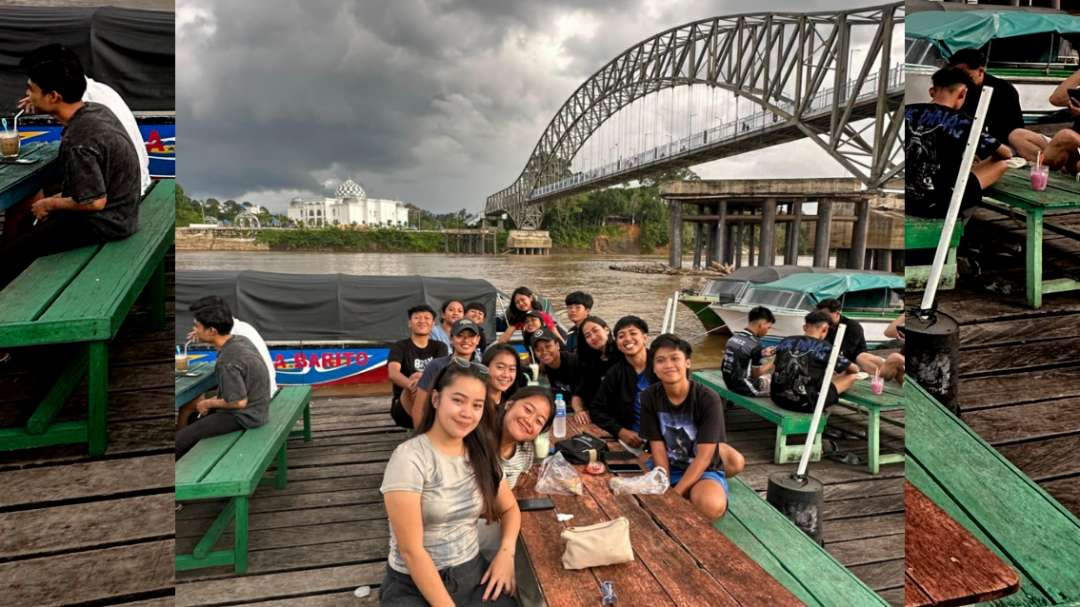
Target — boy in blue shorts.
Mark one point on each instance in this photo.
(683, 422)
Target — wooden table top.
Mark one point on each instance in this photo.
(17, 181)
(1014, 188)
(946, 565)
(188, 387)
(679, 558)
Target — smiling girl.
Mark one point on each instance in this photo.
(435, 487)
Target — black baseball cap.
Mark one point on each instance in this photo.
(543, 334)
(464, 325)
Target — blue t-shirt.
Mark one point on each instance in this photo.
(439, 334)
(642, 383)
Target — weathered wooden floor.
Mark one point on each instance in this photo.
(315, 542)
(76, 530)
(1020, 368)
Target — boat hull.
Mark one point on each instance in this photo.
(700, 306)
(790, 322)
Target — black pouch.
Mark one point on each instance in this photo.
(576, 448)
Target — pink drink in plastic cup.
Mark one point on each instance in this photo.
(877, 384)
(1040, 174)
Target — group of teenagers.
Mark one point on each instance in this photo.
(936, 134)
(474, 413)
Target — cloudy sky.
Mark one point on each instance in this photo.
(435, 102)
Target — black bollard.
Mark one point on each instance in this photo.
(931, 343)
(800, 499)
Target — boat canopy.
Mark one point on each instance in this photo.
(835, 285)
(952, 31)
(326, 308)
(131, 50)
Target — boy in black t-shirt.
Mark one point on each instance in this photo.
(743, 367)
(578, 307)
(560, 368)
(683, 422)
(801, 361)
(407, 360)
(936, 134)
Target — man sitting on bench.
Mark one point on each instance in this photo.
(743, 367)
(243, 399)
(407, 360)
(240, 328)
(683, 421)
(800, 368)
(99, 198)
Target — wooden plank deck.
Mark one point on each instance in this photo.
(76, 530)
(1020, 368)
(326, 534)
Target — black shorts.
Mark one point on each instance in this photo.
(400, 415)
(807, 404)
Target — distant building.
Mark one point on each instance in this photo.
(350, 205)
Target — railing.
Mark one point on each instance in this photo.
(752, 124)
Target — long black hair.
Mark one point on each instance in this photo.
(515, 316)
(587, 352)
(479, 444)
(525, 392)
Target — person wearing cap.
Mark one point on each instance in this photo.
(464, 337)
(617, 405)
(561, 368)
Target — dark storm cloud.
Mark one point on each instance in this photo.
(437, 103)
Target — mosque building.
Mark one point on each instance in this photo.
(350, 205)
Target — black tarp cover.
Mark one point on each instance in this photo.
(131, 50)
(317, 308)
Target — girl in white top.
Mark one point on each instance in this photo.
(436, 485)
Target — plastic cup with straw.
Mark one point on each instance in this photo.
(1039, 174)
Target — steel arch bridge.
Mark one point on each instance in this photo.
(795, 66)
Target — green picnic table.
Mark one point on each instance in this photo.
(18, 181)
(1062, 195)
(861, 398)
(200, 378)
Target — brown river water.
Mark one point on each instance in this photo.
(616, 293)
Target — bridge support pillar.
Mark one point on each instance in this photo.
(718, 235)
(699, 228)
(729, 243)
(738, 243)
(859, 233)
(675, 240)
(768, 233)
(823, 233)
(791, 252)
(750, 250)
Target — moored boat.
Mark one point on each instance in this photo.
(873, 298)
(727, 289)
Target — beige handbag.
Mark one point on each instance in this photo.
(605, 543)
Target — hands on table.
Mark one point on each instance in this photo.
(631, 438)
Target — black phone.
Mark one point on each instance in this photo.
(617, 456)
(625, 468)
(542, 503)
(1075, 94)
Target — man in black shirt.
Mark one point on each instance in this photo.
(683, 421)
(578, 307)
(99, 199)
(1068, 140)
(801, 361)
(560, 368)
(743, 367)
(936, 135)
(617, 404)
(854, 346)
(407, 360)
(1004, 117)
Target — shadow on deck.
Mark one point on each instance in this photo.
(326, 534)
(1020, 368)
(75, 529)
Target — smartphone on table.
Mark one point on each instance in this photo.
(540, 503)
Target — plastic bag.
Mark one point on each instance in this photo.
(558, 476)
(655, 482)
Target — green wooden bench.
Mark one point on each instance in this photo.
(787, 422)
(81, 297)
(788, 554)
(231, 466)
(861, 398)
(922, 234)
(996, 502)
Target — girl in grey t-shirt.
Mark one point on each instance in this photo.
(436, 485)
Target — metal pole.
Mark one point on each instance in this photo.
(820, 406)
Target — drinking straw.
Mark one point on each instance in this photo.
(177, 349)
(820, 406)
(954, 203)
(15, 127)
(1038, 159)
(4, 120)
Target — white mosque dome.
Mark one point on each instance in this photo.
(351, 189)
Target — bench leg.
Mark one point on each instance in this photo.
(1034, 258)
(42, 419)
(282, 472)
(155, 292)
(873, 439)
(784, 453)
(98, 396)
(307, 423)
(240, 538)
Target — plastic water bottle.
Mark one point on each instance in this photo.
(559, 427)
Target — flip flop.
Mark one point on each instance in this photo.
(845, 458)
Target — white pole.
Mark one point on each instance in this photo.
(820, 406)
(674, 311)
(667, 314)
(954, 203)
